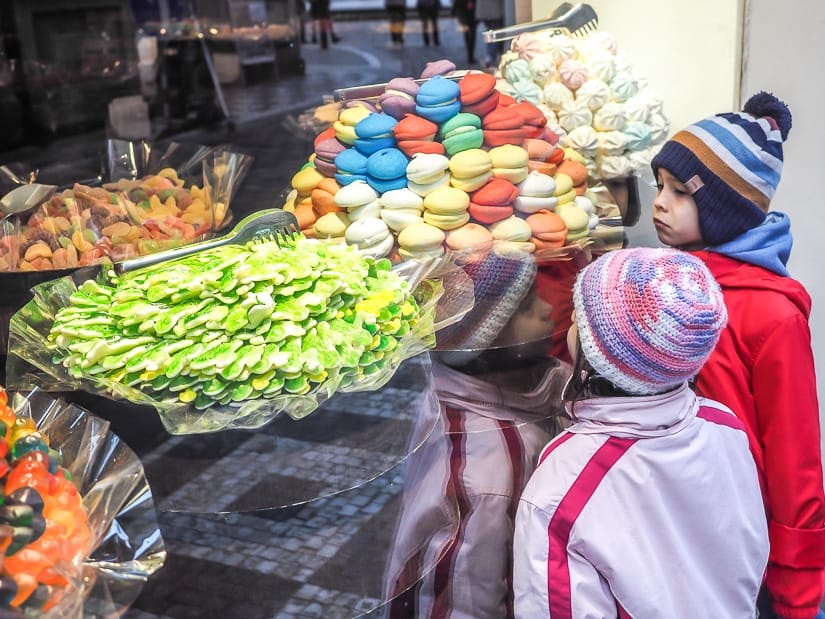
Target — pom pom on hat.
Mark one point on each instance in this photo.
(648, 318)
(735, 160)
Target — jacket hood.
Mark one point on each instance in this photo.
(734, 274)
(499, 396)
(768, 245)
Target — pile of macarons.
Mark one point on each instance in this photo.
(592, 96)
(447, 162)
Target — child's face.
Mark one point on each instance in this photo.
(675, 214)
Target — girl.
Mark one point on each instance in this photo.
(649, 504)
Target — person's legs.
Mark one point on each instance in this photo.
(492, 50)
(470, 40)
(425, 26)
(434, 20)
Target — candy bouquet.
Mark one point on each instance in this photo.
(434, 165)
(231, 337)
(593, 97)
(77, 526)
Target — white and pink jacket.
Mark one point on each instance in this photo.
(645, 507)
(451, 556)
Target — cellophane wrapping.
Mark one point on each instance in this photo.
(127, 546)
(34, 361)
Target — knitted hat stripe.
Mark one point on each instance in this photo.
(761, 162)
(738, 158)
(647, 318)
(705, 162)
(760, 130)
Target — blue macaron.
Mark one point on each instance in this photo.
(437, 99)
(350, 165)
(387, 163)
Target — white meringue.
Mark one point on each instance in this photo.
(572, 73)
(574, 114)
(594, 93)
(556, 95)
(611, 142)
(609, 117)
(584, 140)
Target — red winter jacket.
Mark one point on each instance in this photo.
(763, 369)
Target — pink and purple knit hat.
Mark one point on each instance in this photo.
(648, 318)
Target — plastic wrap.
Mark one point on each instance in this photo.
(126, 542)
(138, 210)
(152, 199)
(32, 356)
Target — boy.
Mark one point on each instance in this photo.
(716, 179)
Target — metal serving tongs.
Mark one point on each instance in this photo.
(262, 226)
(578, 21)
(373, 91)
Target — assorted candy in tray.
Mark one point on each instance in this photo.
(83, 225)
(443, 163)
(44, 528)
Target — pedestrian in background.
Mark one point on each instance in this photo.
(491, 14)
(322, 22)
(648, 505)
(716, 180)
(465, 13)
(428, 12)
(397, 11)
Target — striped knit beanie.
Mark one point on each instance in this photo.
(731, 163)
(648, 318)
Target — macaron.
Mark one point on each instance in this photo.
(370, 236)
(414, 134)
(386, 170)
(478, 93)
(421, 240)
(437, 99)
(325, 152)
(375, 132)
(387, 163)
(331, 226)
(470, 169)
(548, 228)
(493, 201)
(442, 66)
(400, 208)
(536, 192)
(327, 133)
(539, 152)
(564, 188)
(576, 220)
(470, 236)
(323, 197)
(398, 97)
(345, 125)
(306, 179)
(350, 165)
(355, 194)
(446, 208)
(509, 162)
(512, 235)
(461, 132)
(534, 118)
(503, 126)
(577, 173)
(427, 167)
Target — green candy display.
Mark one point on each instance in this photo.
(238, 323)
